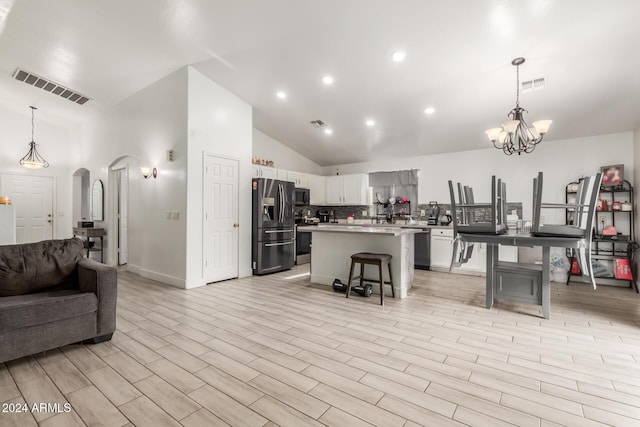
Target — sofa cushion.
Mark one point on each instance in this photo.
(34, 267)
(22, 311)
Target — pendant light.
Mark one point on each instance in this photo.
(516, 136)
(33, 159)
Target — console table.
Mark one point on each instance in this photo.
(91, 233)
(523, 282)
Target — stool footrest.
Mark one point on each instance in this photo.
(364, 279)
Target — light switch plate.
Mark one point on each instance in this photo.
(364, 214)
(168, 214)
(175, 215)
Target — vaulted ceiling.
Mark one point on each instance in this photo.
(458, 61)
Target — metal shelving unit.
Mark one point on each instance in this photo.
(609, 248)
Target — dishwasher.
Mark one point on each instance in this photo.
(422, 250)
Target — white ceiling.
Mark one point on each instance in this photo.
(458, 61)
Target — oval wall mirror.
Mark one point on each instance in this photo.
(97, 201)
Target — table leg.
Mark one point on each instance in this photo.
(492, 258)
(546, 291)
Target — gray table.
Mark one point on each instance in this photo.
(495, 267)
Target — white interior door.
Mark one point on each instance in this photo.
(123, 216)
(32, 197)
(220, 240)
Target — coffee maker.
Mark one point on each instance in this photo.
(434, 213)
(323, 215)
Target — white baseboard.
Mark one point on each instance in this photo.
(135, 269)
(158, 277)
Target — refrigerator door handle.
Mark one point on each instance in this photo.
(282, 202)
(279, 203)
(279, 231)
(278, 244)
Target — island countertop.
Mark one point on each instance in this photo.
(361, 229)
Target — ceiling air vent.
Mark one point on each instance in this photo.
(531, 85)
(50, 86)
(317, 123)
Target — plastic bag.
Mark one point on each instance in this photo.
(559, 267)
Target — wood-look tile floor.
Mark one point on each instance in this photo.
(277, 350)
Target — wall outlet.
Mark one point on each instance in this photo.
(423, 212)
(364, 214)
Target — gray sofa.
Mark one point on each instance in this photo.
(51, 296)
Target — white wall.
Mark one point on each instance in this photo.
(561, 161)
(220, 124)
(139, 131)
(57, 144)
(283, 157)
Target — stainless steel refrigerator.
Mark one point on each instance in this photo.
(273, 246)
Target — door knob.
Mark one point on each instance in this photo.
(236, 225)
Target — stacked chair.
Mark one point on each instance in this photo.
(470, 216)
(585, 209)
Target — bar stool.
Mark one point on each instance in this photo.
(372, 259)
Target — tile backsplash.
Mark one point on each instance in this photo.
(342, 212)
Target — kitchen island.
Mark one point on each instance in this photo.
(333, 246)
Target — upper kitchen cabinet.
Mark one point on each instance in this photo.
(317, 189)
(282, 174)
(264, 172)
(301, 180)
(348, 190)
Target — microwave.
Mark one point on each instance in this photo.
(301, 197)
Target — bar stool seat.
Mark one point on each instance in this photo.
(364, 258)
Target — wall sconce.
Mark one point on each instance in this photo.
(149, 172)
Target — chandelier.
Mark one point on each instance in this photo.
(516, 136)
(33, 159)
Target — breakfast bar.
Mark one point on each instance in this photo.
(333, 246)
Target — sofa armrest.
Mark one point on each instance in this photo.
(102, 280)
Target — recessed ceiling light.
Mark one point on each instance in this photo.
(429, 110)
(328, 131)
(281, 94)
(398, 56)
(328, 80)
(370, 122)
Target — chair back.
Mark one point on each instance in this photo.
(589, 196)
(473, 217)
(454, 209)
(537, 203)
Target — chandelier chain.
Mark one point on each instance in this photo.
(517, 85)
(33, 126)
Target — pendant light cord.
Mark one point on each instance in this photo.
(517, 85)
(33, 126)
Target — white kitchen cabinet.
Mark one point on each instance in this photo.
(283, 175)
(301, 180)
(264, 172)
(318, 189)
(348, 190)
(442, 250)
(334, 190)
